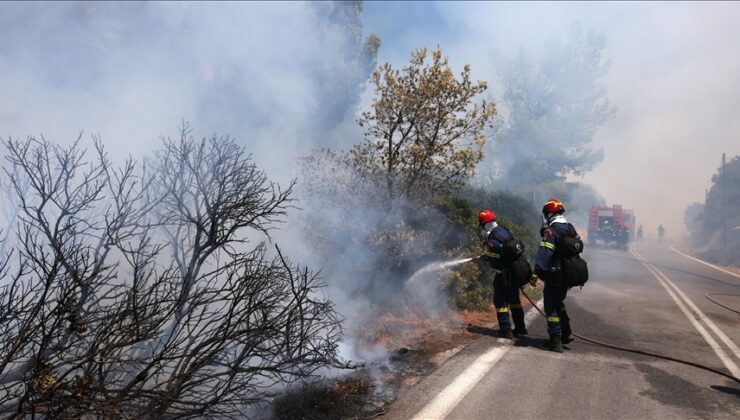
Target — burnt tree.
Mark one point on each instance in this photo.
(149, 289)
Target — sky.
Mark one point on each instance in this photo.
(674, 81)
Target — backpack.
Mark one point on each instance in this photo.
(511, 249)
(574, 268)
(519, 270)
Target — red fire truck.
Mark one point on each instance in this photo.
(610, 225)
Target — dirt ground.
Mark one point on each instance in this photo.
(415, 345)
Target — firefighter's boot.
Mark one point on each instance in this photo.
(504, 323)
(565, 326)
(506, 334)
(517, 313)
(555, 344)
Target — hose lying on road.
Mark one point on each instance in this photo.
(621, 257)
(720, 304)
(636, 351)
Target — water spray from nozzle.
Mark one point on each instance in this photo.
(437, 266)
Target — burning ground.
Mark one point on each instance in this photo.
(412, 346)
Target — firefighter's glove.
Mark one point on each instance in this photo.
(476, 258)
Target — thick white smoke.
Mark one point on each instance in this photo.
(283, 78)
(132, 71)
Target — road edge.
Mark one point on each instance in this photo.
(708, 264)
(450, 396)
(695, 316)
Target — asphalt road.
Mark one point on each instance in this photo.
(627, 303)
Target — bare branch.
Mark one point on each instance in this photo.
(105, 323)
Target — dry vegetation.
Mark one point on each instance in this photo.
(417, 345)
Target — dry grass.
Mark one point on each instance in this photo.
(341, 398)
(428, 335)
(412, 330)
(415, 344)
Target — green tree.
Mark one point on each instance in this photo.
(713, 209)
(424, 131)
(352, 57)
(372, 212)
(555, 106)
(693, 218)
(722, 209)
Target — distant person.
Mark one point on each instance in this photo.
(609, 234)
(503, 252)
(661, 233)
(623, 236)
(639, 233)
(554, 249)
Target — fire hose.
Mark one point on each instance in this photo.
(637, 351)
(708, 296)
(720, 304)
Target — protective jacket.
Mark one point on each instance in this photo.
(495, 247)
(547, 260)
(546, 266)
(505, 295)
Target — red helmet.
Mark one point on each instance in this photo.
(553, 206)
(486, 216)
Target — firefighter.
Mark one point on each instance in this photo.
(623, 236)
(639, 233)
(661, 233)
(548, 268)
(505, 294)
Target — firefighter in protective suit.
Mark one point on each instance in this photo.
(547, 268)
(505, 295)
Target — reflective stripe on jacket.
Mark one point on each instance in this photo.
(548, 246)
(495, 246)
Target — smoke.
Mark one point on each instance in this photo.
(672, 80)
(287, 78)
(374, 255)
(282, 78)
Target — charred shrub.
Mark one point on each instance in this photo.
(324, 399)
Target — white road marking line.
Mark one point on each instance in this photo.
(443, 403)
(722, 336)
(718, 349)
(664, 281)
(705, 263)
(711, 324)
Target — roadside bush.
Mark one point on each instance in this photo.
(470, 287)
(513, 211)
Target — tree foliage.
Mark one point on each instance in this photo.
(424, 131)
(721, 209)
(353, 57)
(470, 287)
(693, 217)
(146, 290)
(724, 204)
(554, 107)
(373, 205)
